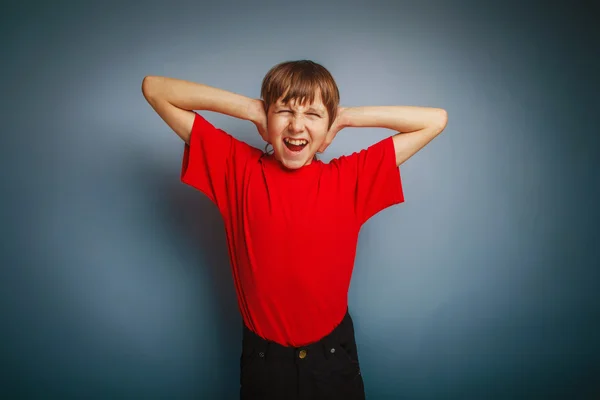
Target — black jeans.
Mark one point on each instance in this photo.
(326, 369)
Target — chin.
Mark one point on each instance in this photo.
(292, 162)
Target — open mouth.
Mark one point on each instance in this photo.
(295, 145)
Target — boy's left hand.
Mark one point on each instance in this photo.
(337, 126)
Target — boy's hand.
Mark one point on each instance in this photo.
(338, 125)
(259, 118)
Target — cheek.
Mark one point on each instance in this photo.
(319, 138)
(273, 134)
(272, 131)
(275, 126)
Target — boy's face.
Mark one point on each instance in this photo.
(297, 131)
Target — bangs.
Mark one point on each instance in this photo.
(298, 87)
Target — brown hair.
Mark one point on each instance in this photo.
(300, 80)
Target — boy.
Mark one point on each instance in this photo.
(292, 221)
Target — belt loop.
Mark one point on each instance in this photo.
(266, 350)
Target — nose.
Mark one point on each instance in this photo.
(296, 125)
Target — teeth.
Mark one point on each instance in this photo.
(297, 142)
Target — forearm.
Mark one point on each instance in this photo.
(189, 95)
(398, 118)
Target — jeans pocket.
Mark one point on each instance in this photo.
(339, 375)
(253, 372)
(349, 359)
(249, 360)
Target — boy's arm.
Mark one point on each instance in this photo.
(174, 100)
(416, 126)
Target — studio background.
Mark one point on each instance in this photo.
(114, 279)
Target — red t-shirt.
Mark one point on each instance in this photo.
(291, 234)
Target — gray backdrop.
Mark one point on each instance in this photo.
(115, 281)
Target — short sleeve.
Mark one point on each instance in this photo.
(373, 179)
(209, 160)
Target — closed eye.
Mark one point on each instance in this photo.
(288, 111)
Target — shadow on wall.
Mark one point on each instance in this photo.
(200, 224)
(200, 240)
(128, 293)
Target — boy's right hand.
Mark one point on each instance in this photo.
(259, 119)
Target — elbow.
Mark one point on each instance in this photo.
(441, 119)
(149, 84)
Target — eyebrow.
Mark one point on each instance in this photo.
(317, 110)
